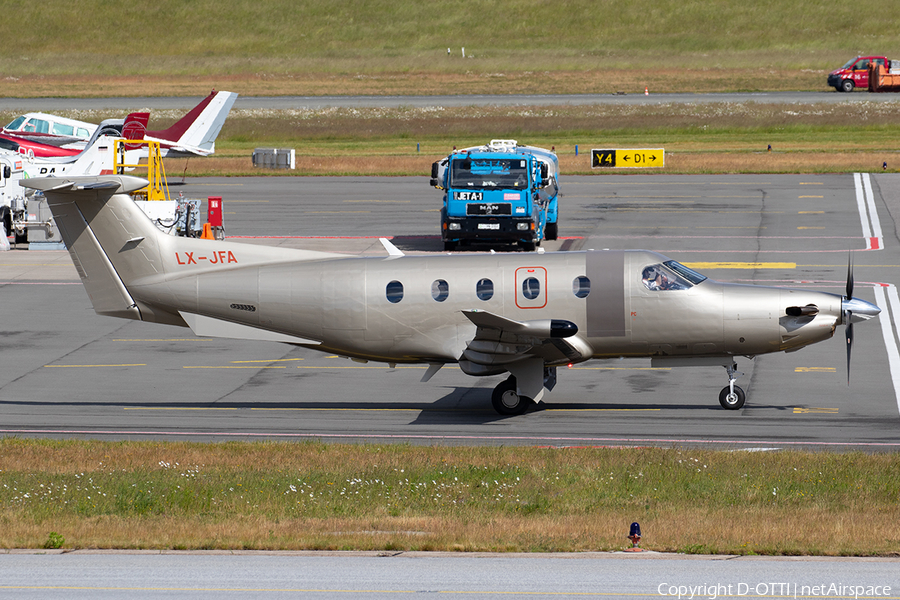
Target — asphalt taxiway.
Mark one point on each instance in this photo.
(66, 372)
(825, 96)
(389, 575)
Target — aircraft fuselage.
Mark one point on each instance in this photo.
(410, 309)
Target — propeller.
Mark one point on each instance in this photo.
(854, 309)
(848, 314)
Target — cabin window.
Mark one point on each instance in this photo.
(484, 289)
(63, 129)
(83, 133)
(440, 289)
(581, 287)
(531, 288)
(394, 292)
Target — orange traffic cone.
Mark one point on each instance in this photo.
(646, 91)
(207, 232)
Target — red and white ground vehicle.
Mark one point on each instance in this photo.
(855, 74)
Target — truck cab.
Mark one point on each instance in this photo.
(855, 73)
(501, 193)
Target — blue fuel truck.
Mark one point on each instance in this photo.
(501, 193)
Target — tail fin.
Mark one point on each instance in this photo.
(135, 127)
(130, 268)
(96, 212)
(196, 132)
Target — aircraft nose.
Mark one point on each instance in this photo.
(860, 310)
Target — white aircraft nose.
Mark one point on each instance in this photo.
(860, 310)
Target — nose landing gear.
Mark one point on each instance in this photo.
(732, 397)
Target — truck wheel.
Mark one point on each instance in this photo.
(527, 246)
(847, 85)
(552, 231)
(450, 246)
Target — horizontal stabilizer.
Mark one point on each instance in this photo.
(119, 184)
(209, 327)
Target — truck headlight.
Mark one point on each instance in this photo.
(523, 226)
(455, 226)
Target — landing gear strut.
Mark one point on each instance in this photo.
(506, 399)
(732, 397)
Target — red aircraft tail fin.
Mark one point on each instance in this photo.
(135, 128)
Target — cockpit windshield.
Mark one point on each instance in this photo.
(670, 275)
(15, 123)
(489, 173)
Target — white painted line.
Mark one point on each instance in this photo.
(873, 212)
(861, 207)
(888, 329)
(868, 213)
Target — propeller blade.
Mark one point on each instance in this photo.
(849, 343)
(850, 276)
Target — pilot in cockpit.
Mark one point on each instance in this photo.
(655, 278)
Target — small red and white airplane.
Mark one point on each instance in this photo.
(41, 135)
(32, 148)
(50, 129)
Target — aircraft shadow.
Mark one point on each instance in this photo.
(459, 406)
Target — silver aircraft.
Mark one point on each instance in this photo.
(492, 314)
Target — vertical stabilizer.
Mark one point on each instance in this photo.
(109, 239)
(196, 132)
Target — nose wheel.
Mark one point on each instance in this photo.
(732, 397)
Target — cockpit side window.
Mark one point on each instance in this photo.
(669, 275)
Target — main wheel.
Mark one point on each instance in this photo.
(847, 85)
(731, 401)
(506, 399)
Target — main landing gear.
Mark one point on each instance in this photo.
(506, 399)
(732, 397)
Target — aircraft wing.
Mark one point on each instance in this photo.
(46, 138)
(500, 341)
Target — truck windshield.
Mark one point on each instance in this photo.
(481, 173)
(849, 63)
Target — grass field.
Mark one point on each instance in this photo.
(276, 47)
(705, 138)
(338, 497)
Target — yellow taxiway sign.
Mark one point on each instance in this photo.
(639, 158)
